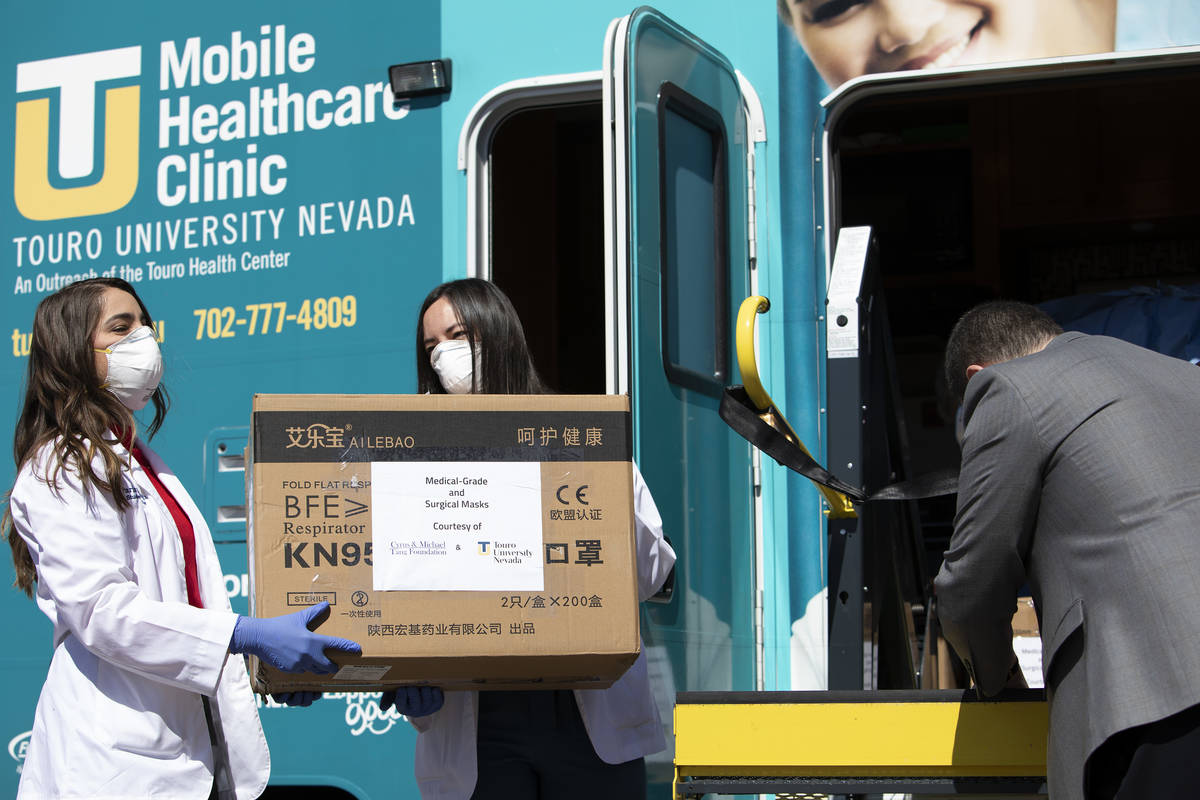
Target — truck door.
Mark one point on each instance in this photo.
(678, 258)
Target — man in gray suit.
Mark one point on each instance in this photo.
(1081, 477)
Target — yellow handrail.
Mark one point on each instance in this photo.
(747, 363)
(839, 505)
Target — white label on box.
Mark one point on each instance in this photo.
(360, 673)
(457, 526)
(1029, 656)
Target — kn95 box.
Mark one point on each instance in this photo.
(468, 542)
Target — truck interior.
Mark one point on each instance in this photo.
(1034, 188)
(547, 237)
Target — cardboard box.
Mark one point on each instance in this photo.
(1027, 642)
(468, 542)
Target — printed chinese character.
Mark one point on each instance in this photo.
(556, 513)
(443, 629)
(548, 435)
(527, 628)
(594, 437)
(294, 438)
(387, 630)
(495, 628)
(595, 602)
(569, 514)
(595, 513)
(539, 602)
(514, 628)
(557, 553)
(402, 630)
(525, 436)
(588, 551)
(427, 629)
(571, 437)
(455, 629)
(482, 629)
(414, 630)
(372, 630)
(315, 435)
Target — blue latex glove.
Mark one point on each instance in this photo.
(304, 699)
(286, 643)
(413, 701)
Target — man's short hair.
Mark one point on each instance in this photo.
(991, 332)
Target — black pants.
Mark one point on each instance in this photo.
(1160, 760)
(533, 746)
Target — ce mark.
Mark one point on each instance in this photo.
(580, 494)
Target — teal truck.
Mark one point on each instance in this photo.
(629, 177)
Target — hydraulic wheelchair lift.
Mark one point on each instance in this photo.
(858, 738)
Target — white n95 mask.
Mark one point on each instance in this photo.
(452, 362)
(134, 368)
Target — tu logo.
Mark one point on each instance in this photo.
(72, 83)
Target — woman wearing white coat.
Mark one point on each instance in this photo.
(143, 697)
(540, 745)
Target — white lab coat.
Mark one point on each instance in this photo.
(120, 714)
(622, 721)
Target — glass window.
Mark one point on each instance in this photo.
(695, 257)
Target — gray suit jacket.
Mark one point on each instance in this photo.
(1081, 475)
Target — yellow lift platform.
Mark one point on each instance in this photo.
(842, 742)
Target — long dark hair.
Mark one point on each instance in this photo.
(65, 406)
(493, 329)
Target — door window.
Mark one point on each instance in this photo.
(695, 256)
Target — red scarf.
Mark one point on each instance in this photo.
(187, 534)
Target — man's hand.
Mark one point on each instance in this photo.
(1016, 678)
